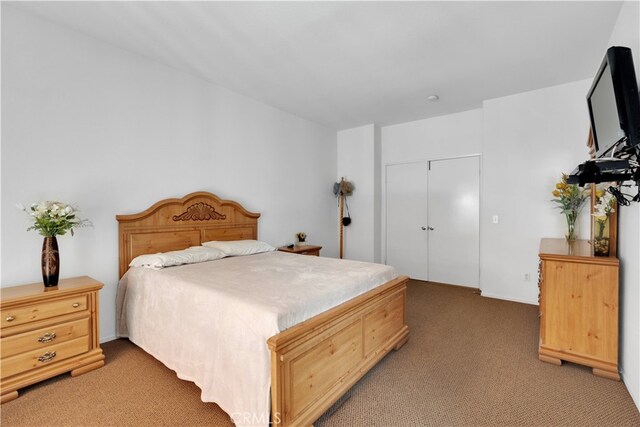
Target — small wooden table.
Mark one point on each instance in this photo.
(302, 250)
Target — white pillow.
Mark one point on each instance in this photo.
(240, 247)
(191, 255)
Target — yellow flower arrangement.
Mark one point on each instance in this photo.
(570, 199)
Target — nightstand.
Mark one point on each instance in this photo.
(303, 250)
(45, 332)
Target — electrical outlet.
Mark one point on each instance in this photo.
(495, 219)
(527, 277)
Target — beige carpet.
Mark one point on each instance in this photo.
(470, 361)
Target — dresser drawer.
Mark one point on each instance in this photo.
(43, 337)
(36, 358)
(43, 310)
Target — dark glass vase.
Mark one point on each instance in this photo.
(50, 262)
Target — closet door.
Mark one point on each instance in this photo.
(454, 221)
(406, 219)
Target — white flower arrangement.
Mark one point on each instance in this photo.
(52, 219)
(603, 208)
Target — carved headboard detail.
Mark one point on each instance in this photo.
(199, 212)
(174, 224)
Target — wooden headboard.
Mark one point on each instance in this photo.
(174, 224)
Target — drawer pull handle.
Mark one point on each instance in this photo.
(48, 337)
(76, 305)
(47, 357)
(10, 318)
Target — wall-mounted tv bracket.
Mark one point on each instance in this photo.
(624, 167)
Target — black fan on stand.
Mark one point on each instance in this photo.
(342, 190)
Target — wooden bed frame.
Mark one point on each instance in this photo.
(313, 363)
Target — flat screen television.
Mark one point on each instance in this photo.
(614, 105)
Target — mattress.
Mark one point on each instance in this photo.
(210, 321)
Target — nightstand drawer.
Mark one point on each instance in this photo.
(43, 310)
(312, 253)
(36, 358)
(44, 337)
(302, 250)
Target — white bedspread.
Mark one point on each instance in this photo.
(209, 322)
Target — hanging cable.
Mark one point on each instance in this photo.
(620, 196)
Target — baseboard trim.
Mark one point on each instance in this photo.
(634, 397)
(107, 339)
(475, 288)
(482, 293)
(502, 297)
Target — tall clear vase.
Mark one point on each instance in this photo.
(572, 231)
(601, 239)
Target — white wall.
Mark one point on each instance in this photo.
(377, 195)
(627, 33)
(528, 140)
(359, 161)
(441, 137)
(97, 126)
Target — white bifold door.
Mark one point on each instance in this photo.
(432, 220)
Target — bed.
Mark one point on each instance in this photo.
(310, 364)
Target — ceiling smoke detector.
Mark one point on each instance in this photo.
(433, 98)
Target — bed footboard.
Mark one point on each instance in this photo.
(315, 362)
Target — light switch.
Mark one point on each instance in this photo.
(495, 219)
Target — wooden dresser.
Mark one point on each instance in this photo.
(45, 332)
(578, 307)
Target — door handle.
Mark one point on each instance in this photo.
(423, 228)
(426, 228)
(430, 228)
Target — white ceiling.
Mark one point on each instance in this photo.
(345, 64)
